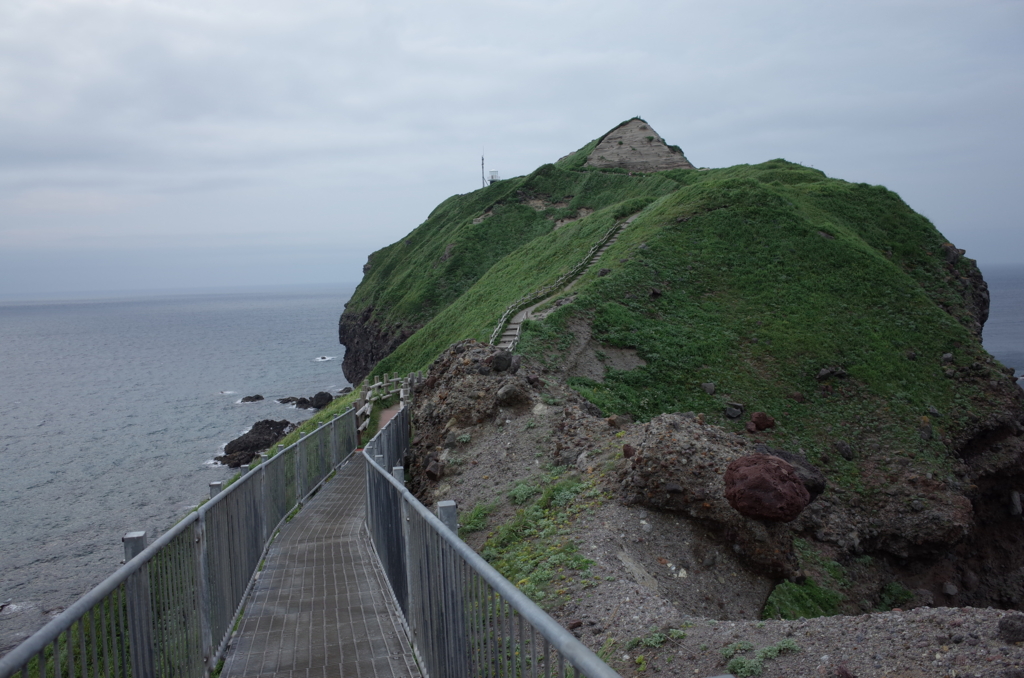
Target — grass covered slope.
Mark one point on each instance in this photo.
(407, 284)
(757, 278)
(831, 306)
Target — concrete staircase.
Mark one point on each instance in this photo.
(510, 336)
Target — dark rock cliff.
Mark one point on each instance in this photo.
(366, 342)
(976, 297)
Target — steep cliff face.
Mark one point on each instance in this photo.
(367, 343)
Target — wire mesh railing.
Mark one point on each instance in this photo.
(464, 618)
(168, 612)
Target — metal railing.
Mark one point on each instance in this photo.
(464, 618)
(168, 612)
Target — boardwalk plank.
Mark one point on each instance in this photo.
(320, 608)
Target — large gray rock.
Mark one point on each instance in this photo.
(675, 463)
(321, 400)
(260, 437)
(1011, 628)
(512, 394)
(501, 361)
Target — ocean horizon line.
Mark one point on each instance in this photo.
(151, 293)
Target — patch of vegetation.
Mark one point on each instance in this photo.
(607, 649)
(532, 550)
(894, 594)
(793, 601)
(476, 518)
(560, 494)
(653, 639)
(454, 278)
(809, 556)
(464, 438)
(522, 492)
(378, 407)
(333, 409)
(729, 651)
(745, 667)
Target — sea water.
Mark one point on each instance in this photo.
(1004, 332)
(113, 410)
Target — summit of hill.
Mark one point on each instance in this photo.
(635, 146)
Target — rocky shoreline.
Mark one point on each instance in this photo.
(265, 433)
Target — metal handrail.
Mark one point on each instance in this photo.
(172, 605)
(454, 613)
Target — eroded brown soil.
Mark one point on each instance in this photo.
(680, 560)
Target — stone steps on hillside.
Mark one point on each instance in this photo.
(510, 336)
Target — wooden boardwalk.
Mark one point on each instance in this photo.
(321, 607)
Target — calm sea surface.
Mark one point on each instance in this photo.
(112, 411)
(1004, 331)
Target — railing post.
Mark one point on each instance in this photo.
(300, 470)
(399, 473)
(215, 488)
(335, 447)
(140, 617)
(412, 565)
(264, 508)
(202, 561)
(458, 651)
(447, 511)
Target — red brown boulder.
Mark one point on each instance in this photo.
(762, 420)
(765, 487)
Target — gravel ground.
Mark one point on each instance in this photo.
(921, 643)
(665, 596)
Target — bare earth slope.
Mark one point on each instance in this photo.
(668, 590)
(635, 146)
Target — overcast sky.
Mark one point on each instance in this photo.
(149, 144)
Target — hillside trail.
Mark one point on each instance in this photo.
(388, 414)
(511, 334)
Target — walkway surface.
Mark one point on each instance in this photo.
(321, 607)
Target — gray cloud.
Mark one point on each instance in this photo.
(136, 126)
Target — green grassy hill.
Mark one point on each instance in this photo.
(754, 278)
